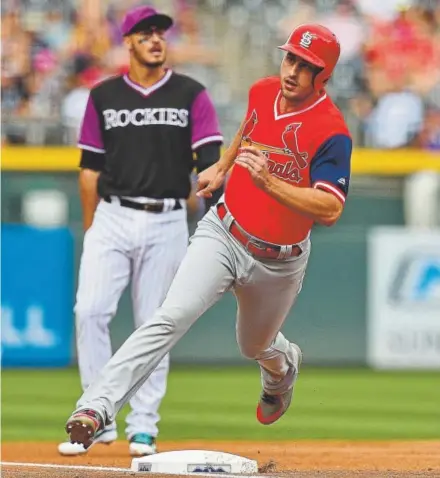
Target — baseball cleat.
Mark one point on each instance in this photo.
(142, 444)
(105, 437)
(273, 406)
(82, 427)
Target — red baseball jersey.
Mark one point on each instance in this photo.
(306, 148)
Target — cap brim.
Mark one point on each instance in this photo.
(304, 54)
(160, 20)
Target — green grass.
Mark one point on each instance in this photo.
(219, 403)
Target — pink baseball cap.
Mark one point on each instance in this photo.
(45, 60)
(144, 17)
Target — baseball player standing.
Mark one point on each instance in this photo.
(291, 161)
(137, 139)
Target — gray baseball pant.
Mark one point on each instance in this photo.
(215, 263)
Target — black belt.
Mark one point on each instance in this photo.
(156, 207)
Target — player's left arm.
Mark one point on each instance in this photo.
(92, 161)
(206, 156)
(206, 138)
(329, 174)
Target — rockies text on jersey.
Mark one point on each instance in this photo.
(143, 139)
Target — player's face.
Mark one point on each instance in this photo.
(297, 77)
(148, 47)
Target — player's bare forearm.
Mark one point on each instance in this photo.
(88, 190)
(227, 159)
(211, 179)
(316, 204)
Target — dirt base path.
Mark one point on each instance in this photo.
(324, 459)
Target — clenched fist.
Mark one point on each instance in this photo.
(255, 162)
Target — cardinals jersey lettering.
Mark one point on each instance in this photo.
(307, 148)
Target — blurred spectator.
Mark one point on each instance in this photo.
(381, 10)
(429, 136)
(44, 86)
(117, 57)
(90, 35)
(188, 52)
(407, 46)
(14, 95)
(16, 51)
(388, 76)
(303, 11)
(57, 31)
(348, 26)
(421, 192)
(395, 121)
(401, 67)
(74, 103)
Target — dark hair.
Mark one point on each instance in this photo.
(316, 71)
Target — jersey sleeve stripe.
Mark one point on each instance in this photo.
(331, 189)
(90, 148)
(208, 139)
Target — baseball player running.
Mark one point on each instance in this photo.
(137, 139)
(291, 161)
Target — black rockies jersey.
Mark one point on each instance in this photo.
(148, 135)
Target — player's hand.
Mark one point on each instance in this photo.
(209, 181)
(255, 162)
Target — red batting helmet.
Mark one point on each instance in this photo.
(317, 45)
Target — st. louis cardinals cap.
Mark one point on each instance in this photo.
(144, 17)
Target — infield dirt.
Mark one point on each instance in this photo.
(323, 459)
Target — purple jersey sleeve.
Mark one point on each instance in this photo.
(90, 137)
(205, 124)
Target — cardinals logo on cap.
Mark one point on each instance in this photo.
(306, 39)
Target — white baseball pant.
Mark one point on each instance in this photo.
(121, 245)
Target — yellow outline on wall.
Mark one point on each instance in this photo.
(364, 161)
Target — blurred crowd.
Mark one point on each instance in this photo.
(387, 82)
